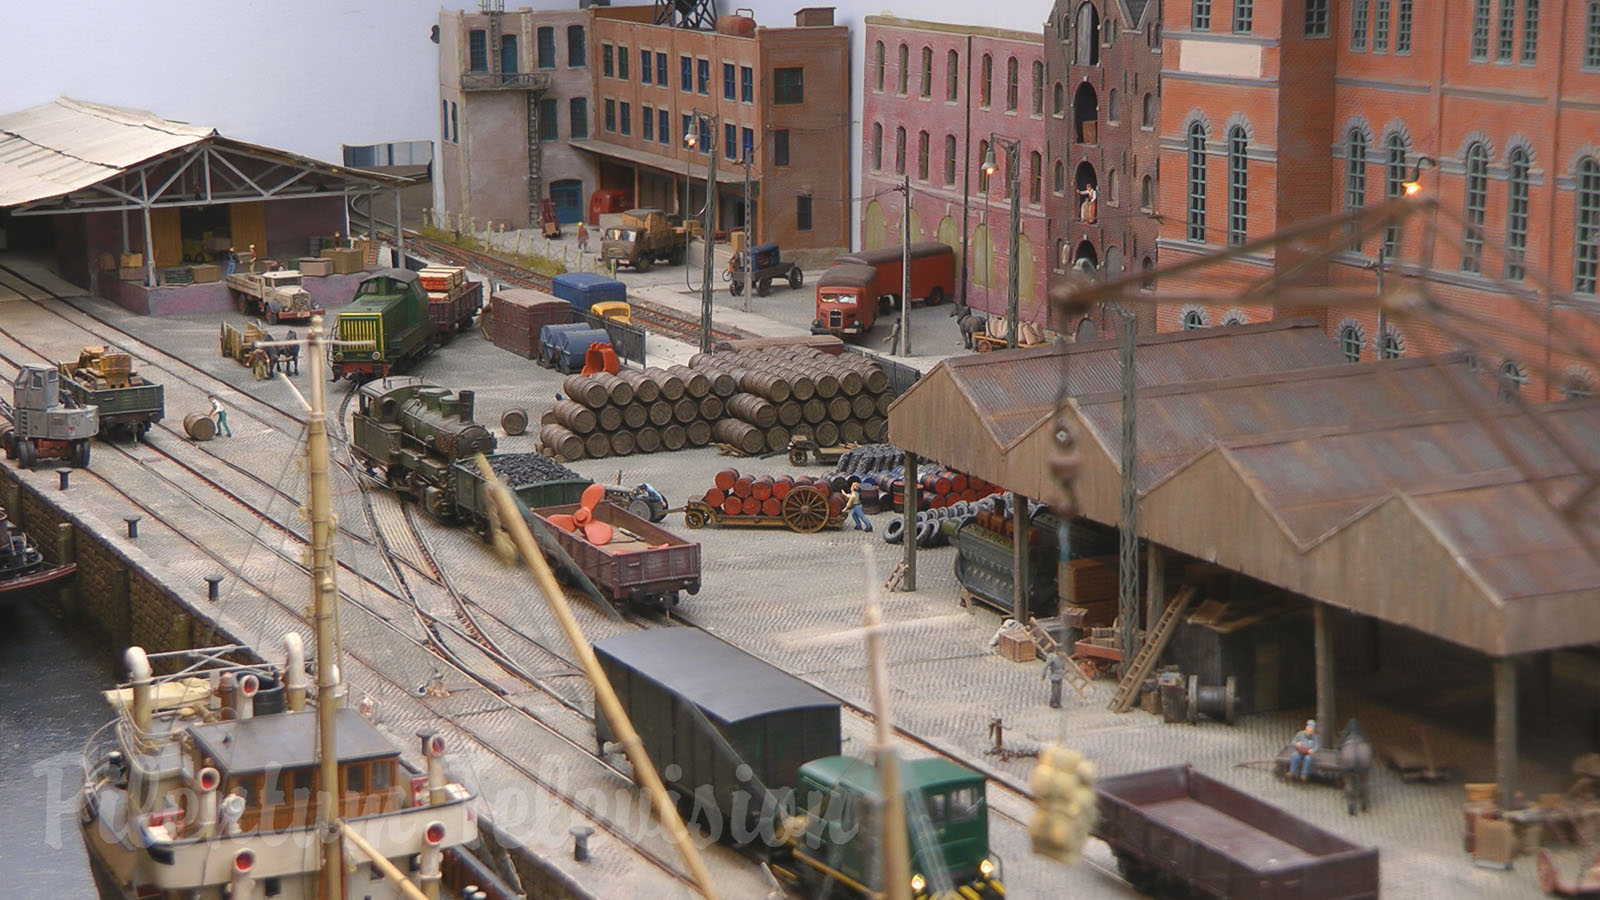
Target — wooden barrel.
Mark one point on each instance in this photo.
(835, 505)
(645, 388)
(789, 413)
(597, 445)
(714, 497)
(827, 434)
(742, 435)
(561, 441)
(634, 415)
(623, 442)
(742, 486)
(617, 387)
(660, 413)
(548, 417)
(882, 402)
(875, 429)
(765, 384)
(686, 410)
(941, 485)
(671, 384)
(752, 409)
(761, 488)
(802, 386)
(863, 405)
(673, 437)
(850, 432)
(585, 390)
(958, 482)
(877, 381)
(648, 439)
(777, 438)
(199, 426)
(772, 507)
(609, 417)
(514, 420)
(840, 408)
(699, 432)
(750, 506)
(733, 506)
(827, 385)
(695, 383)
(724, 385)
(814, 410)
(724, 480)
(712, 407)
(781, 486)
(851, 382)
(575, 416)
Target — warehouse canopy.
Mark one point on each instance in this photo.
(729, 173)
(71, 156)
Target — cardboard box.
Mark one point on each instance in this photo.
(346, 261)
(315, 266)
(131, 273)
(206, 273)
(132, 260)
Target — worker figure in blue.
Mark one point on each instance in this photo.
(230, 262)
(653, 498)
(852, 503)
(221, 416)
(1305, 749)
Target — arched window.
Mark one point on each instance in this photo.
(1394, 184)
(1113, 113)
(1038, 88)
(949, 159)
(1146, 266)
(1234, 317)
(877, 145)
(1517, 214)
(927, 72)
(900, 150)
(983, 177)
(1197, 183)
(1011, 84)
(1391, 345)
(1476, 200)
(1062, 262)
(1113, 194)
(1586, 259)
(1147, 114)
(1351, 340)
(1578, 384)
(877, 66)
(1059, 104)
(1147, 194)
(905, 69)
(1355, 175)
(922, 155)
(1193, 319)
(1035, 176)
(1512, 378)
(1238, 186)
(985, 80)
(1061, 177)
(952, 76)
(1086, 52)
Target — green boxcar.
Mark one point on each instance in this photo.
(945, 808)
(390, 310)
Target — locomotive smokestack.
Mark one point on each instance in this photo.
(464, 405)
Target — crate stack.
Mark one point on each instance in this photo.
(784, 391)
(632, 412)
(517, 315)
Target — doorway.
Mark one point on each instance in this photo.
(567, 196)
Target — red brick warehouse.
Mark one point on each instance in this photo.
(933, 97)
(1275, 113)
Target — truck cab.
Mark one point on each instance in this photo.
(644, 237)
(847, 300)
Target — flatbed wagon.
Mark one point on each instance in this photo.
(805, 509)
(642, 565)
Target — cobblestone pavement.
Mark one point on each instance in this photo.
(779, 595)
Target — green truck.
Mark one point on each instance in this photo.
(129, 404)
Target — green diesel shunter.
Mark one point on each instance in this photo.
(389, 312)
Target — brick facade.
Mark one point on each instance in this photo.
(1500, 110)
(910, 91)
(1103, 63)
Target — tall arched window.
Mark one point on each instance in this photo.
(950, 159)
(1394, 184)
(1147, 194)
(1238, 186)
(1512, 378)
(1477, 197)
(1113, 112)
(952, 76)
(1086, 52)
(1011, 84)
(877, 145)
(900, 150)
(1060, 181)
(922, 155)
(1038, 88)
(985, 80)
(1517, 214)
(1197, 183)
(877, 66)
(1113, 187)
(1350, 341)
(904, 59)
(1355, 174)
(1035, 177)
(1059, 104)
(927, 72)
(1147, 115)
(1586, 259)
(983, 177)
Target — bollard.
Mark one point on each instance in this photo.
(64, 474)
(133, 525)
(212, 582)
(580, 842)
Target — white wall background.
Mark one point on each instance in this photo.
(310, 75)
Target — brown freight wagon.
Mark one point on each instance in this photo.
(642, 565)
(517, 315)
(1176, 828)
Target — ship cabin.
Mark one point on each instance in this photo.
(270, 761)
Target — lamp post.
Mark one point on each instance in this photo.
(692, 141)
(1014, 187)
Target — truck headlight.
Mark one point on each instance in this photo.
(986, 868)
(918, 883)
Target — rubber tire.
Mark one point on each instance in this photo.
(676, 257)
(643, 264)
(736, 286)
(763, 286)
(27, 453)
(895, 531)
(272, 314)
(925, 533)
(935, 296)
(796, 278)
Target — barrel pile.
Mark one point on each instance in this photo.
(752, 400)
(879, 469)
(748, 495)
(632, 412)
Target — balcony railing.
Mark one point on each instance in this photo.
(505, 81)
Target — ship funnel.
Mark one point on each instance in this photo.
(139, 678)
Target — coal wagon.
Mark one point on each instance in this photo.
(1175, 829)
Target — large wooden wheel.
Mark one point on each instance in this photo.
(694, 517)
(805, 509)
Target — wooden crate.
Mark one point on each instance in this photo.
(206, 273)
(346, 261)
(1018, 646)
(131, 261)
(315, 266)
(1089, 581)
(131, 273)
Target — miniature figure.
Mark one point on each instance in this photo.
(1089, 208)
(1305, 748)
(583, 238)
(1054, 671)
(852, 503)
(221, 416)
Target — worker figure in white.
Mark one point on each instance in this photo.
(1305, 749)
(221, 416)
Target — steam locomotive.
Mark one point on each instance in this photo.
(414, 433)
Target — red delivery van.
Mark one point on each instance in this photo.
(847, 300)
(933, 273)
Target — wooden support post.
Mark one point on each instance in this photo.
(1019, 557)
(1322, 628)
(1505, 730)
(1156, 580)
(908, 513)
(1540, 694)
(67, 552)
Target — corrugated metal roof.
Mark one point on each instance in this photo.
(58, 147)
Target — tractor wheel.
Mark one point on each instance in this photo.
(796, 278)
(676, 258)
(763, 286)
(643, 264)
(936, 296)
(27, 453)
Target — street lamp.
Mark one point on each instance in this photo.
(1013, 149)
(692, 140)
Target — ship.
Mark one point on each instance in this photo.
(22, 566)
(227, 777)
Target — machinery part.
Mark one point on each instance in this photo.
(80, 453)
(805, 509)
(735, 286)
(1215, 701)
(27, 453)
(796, 278)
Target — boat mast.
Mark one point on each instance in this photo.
(324, 594)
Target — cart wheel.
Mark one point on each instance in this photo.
(797, 457)
(763, 286)
(805, 509)
(694, 518)
(736, 286)
(796, 277)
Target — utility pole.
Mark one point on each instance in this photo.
(1383, 319)
(749, 236)
(1013, 313)
(692, 140)
(905, 270)
(1128, 561)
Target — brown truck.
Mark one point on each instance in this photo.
(644, 237)
(276, 296)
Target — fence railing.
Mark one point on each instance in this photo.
(626, 340)
(901, 376)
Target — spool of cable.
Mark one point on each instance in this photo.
(1214, 701)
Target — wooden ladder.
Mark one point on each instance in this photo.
(1154, 644)
(1047, 645)
(897, 578)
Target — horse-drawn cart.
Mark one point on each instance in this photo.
(805, 509)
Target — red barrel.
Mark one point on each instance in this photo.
(835, 506)
(726, 478)
(780, 487)
(741, 487)
(969, 495)
(751, 506)
(732, 506)
(715, 497)
(958, 482)
(771, 506)
(761, 488)
(941, 485)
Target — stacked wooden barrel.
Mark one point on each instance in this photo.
(632, 412)
(782, 391)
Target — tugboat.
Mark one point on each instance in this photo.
(21, 564)
(224, 779)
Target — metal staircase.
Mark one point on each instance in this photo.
(1154, 644)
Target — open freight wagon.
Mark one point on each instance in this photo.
(642, 565)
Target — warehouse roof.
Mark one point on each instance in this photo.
(66, 145)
